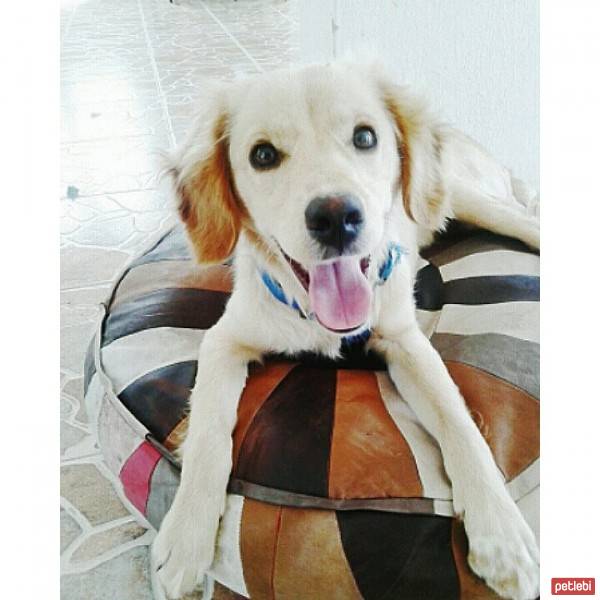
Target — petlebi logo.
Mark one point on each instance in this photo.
(573, 586)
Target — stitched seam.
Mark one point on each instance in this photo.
(266, 399)
(150, 480)
(275, 547)
(337, 375)
(401, 574)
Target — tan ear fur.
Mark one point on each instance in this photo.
(420, 144)
(208, 202)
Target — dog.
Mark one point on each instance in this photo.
(310, 176)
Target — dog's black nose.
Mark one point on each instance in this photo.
(334, 221)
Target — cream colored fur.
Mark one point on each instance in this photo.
(420, 169)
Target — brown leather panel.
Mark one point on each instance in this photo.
(223, 593)
(471, 586)
(287, 445)
(369, 456)
(173, 274)
(189, 308)
(177, 435)
(261, 382)
(310, 560)
(508, 417)
(259, 531)
(451, 248)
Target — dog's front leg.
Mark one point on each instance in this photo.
(502, 548)
(183, 549)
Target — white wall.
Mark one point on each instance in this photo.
(476, 60)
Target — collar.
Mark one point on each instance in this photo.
(394, 254)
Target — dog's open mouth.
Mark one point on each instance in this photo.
(338, 290)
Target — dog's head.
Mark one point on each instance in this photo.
(310, 162)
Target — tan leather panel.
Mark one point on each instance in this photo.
(223, 593)
(259, 386)
(471, 586)
(508, 417)
(217, 278)
(369, 456)
(259, 531)
(310, 560)
(177, 435)
(161, 275)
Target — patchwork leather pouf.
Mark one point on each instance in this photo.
(336, 490)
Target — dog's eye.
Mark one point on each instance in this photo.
(364, 137)
(264, 156)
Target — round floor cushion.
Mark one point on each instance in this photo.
(336, 489)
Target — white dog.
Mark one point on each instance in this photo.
(313, 176)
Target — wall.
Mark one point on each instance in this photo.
(476, 60)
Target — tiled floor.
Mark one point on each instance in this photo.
(130, 73)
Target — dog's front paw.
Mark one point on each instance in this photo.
(182, 552)
(503, 551)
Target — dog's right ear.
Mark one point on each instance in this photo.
(208, 202)
(420, 143)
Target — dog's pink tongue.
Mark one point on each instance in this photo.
(339, 293)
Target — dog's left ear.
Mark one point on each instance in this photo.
(209, 205)
(420, 142)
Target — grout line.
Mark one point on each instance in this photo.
(66, 244)
(92, 286)
(87, 459)
(80, 459)
(76, 515)
(161, 94)
(231, 36)
(72, 374)
(77, 425)
(96, 194)
(334, 30)
(68, 27)
(107, 138)
(286, 17)
(70, 568)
